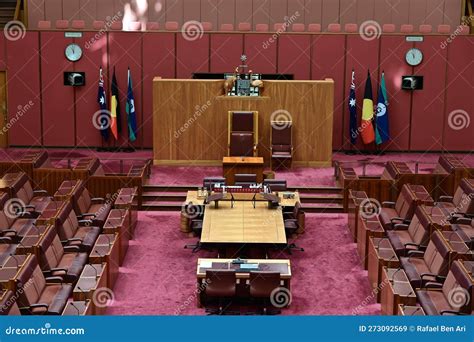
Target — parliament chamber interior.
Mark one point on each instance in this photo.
(237, 157)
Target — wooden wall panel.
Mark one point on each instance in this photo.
(204, 139)
(330, 13)
(35, 13)
(174, 11)
(71, 9)
(417, 12)
(313, 11)
(105, 9)
(400, 12)
(297, 10)
(365, 10)
(88, 11)
(452, 12)
(225, 11)
(192, 10)
(157, 11)
(348, 12)
(261, 12)
(53, 10)
(278, 11)
(434, 13)
(382, 12)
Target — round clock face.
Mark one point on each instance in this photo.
(414, 57)
(73, 52)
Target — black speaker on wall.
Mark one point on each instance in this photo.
(74, 78)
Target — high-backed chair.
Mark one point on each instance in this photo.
(430, 265)
(8, 305)
(276, 184)
(11, 227)
(281, 144)
(455, 297)
(221, 284)
(400, 211)
(261, 286)
(210, 182)
(38, 295)
(36, 200)
(293, 223)
(462, 203)
(76, 233)
(415, 236)
(94, 209)
(245, 179)
(242, 133)
(58, 261)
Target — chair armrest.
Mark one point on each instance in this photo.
(457, 313)
(429, 275)
(445, 198)
(56, 269)
(388, 204)
(86, 215)
(84, 222)
(40, 192)
(5, 239)
(412, 244)
(71, 249)
(9, 231)
(416, 254)
(54, 280)
(97, 199)
(38, 305)
(433, 285)
(71, 240)
(401, 226)
(464, 220)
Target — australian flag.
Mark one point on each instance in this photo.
(103, 118)
(353, 111)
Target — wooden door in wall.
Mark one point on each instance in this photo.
(3, 110)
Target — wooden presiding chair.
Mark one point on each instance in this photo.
(242, 133)
(281, 144)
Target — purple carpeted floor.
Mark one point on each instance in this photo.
(158, 276)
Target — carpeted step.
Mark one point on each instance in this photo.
(320, 189)
(164, 196)
(161, 206)
(328, 208)
(169, 188)
(321, 198)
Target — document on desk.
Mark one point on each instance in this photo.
(206, 264)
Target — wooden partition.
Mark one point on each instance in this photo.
(190, 120)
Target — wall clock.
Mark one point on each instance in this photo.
(414, 57)
(73, 52)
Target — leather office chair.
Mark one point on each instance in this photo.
(455, 297)
(400, 211)
(34, 200)
(262, 284)
(462, 203)
(276, 185)
(292, 222)
(210, 182)
(58, 261)
(245, 179)
(242, 144)
(15, 228)
(430, 265)
(222, 285)
(242, 121)
(95, 209)
(195, 225)
(76, 233)
(39, 295)
(281, 144)
(8, 305)
(410, 237)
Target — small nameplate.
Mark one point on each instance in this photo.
(414, 38)
(73, 34)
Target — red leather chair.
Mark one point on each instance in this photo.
(13, 229)
(262, 284)
(415, 236)
(276, 185)
(455, 297)
(221, 284)
(8, 305)
(58, 261)
(242, 144)
(430, 265)
(462, 203)
(6, 249)
(400, 211)
(281, 144)
(38, 295)
(94, 209)
(36, 200)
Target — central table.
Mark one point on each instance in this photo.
(243, 224)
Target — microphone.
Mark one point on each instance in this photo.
(13, 256)
(78, 311)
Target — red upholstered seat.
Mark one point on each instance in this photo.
(406, 28)
(152, 26)
(425, 28)
(297, 27)
(388, 28)
(95, 209)
(280, 27)
(227, 27)
(62, 24)
(350, 28)
(444, 29)
(171, 26)
(207, 26)
(98, 24)
(245, 27)
(402, 211)
(44, 25)
(334, 28)
(116, 25)
(241, 144)
(314, 28)
(261, 27)
(78, 24)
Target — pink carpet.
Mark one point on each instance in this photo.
(158, 277)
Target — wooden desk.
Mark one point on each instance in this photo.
(192, 196)
(283, 266)
(234, 165)
(107, 250)
(353, 209)
(366, 230)
(67, 189)
(118, 222)
(288, 202)
(93, 278)
(51, 212)
(396, 289)
(243, 224)
(78, 308)
(461, 250)
(127, 199)
(410, 310)
(380, 255)
(10, 269)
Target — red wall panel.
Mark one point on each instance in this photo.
(125, 50)
(459, 110)
(24, 86)
(392, 61)
(294, 54)
(71, 9)
(53, 10)
(348, 12)
(243, 12)
(95, 55)
(35, 13)
(428, 104)
(3, 55)
(88, 11)
(191, 55)
(225, 11)
(57, 99)
(225, 51)
(261, 12)
(313, 12)
(328, 62)
(260, 60)
(330, 13)
(158, 60)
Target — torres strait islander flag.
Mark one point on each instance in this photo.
(367, 129)
(130, 109)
